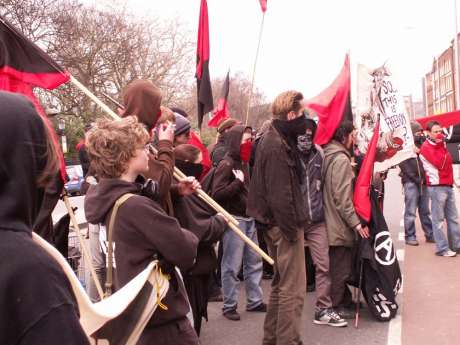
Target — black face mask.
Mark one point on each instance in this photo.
(298, 126)
(419, 140)
(190, 169)
(305, 143)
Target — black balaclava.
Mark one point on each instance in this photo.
(189, 168)
(290, 130)
(23, 149)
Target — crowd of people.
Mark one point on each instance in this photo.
(290, 196)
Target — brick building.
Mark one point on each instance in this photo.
(439, 84)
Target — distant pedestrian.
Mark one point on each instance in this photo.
(415, 192)
(437, 162)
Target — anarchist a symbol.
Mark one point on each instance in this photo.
(383, 248)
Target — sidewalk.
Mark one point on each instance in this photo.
(431, 312)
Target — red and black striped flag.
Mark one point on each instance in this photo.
(204, 91)
(23, 66)
(333, 105)
(263, 5)
(361, 196)
(221, 112)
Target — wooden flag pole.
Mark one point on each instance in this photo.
(85, 251)
(180, 176)
(254, 69)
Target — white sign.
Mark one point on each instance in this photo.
(379, 99)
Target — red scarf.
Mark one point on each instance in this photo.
(245, 151)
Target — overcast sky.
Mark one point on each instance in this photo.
(304, 41)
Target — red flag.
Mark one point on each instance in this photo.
(332, 105)
(361, 197)
(445, 120)
(204, 91)
(221, 112)
(263, 5)
(23, 66)
(195, 140)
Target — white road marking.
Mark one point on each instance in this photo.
(401, 236)
(400, 254)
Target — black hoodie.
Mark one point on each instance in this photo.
(227, 190)
(37, 303)
(143, 229)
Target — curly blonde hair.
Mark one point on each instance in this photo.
(112, 144)
(286, 102)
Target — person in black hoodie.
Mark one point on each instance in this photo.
(37, 302)
(142, 229)
(416, 196)
(194, 214)
(230, 189)
(315, 230)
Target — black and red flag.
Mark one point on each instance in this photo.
(361, 196)
(204, 91)
(333, 105)
(263, 5)
(23, 66)
(221, 112)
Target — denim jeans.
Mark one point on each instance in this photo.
(416, 197)
(235, 252)
(443, 207)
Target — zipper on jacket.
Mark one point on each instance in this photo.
(419, 175)
(308, 187)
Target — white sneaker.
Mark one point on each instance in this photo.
(449, 253)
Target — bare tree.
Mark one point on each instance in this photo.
(105, 48)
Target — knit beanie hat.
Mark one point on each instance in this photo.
(182, 124)
(226, 124)
(415, 127)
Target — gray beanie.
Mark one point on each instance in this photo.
(415, 127)
(182, 124)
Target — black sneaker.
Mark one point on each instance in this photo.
(329, 317)
(232, 315)
(261, 308)
(311, 287)
(430, 240)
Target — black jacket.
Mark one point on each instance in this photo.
(311, 186)
(227, 190)
(36, 299)
(275, 197)
(412, 171)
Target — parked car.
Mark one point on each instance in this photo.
(75, 173)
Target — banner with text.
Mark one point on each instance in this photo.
(379, 98)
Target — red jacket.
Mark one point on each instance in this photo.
(437, 163)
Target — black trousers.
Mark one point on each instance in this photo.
(340, 261)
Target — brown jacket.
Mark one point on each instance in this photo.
(339, 211)
(195, 215)
(275, 196)
(142, 229)
(161, 169)
(227, 190)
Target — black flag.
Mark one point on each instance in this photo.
(204, 91)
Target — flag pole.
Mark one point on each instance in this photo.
(179, 175)
(86, 255)
(254, 69)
